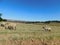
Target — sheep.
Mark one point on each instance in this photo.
(46, 28)
(2, 24)
(10, 26)
(6, 26)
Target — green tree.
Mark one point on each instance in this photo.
(1, 17)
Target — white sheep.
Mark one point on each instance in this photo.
(10, 26)
(2, 24)
(46, 28)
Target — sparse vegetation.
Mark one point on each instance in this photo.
(31, 34)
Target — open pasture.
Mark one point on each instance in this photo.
(31, 33)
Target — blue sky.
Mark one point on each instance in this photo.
(30, 10)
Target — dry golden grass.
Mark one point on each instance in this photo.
(31, 34)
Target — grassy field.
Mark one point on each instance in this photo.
(31, 34)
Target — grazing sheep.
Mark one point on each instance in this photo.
(11, 26)
(2, 24)
(6, 26)
(46, 28)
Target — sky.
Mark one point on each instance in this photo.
(30, 10)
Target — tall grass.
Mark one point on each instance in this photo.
(29, 32)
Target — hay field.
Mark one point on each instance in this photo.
(31, 34)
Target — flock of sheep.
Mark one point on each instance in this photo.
(12, 26)
(8, 25)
